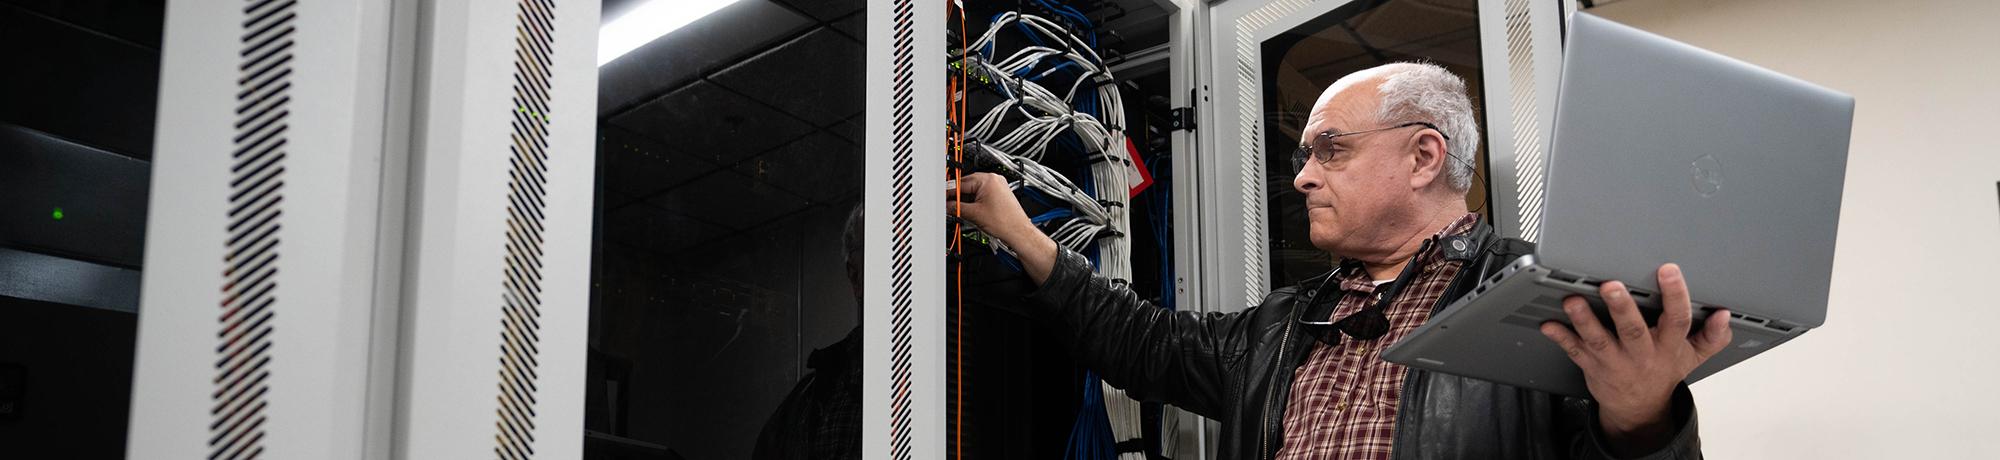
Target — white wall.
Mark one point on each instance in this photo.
(1908, 364)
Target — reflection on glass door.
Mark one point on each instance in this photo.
(725, 304)
(1300, 63)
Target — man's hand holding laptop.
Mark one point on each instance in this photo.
(1632, 369)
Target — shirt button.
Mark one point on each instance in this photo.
(1342, 407)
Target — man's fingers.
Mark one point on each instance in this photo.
(1715, 334)
(1632, 330)
(1676, 309)
(1569, 342)
(970, 184)
(967, 188)
(1594, 336)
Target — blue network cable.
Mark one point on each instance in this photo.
(1090, 438)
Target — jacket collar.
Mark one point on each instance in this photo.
(1461, 241)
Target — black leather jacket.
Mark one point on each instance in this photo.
(1237, 368)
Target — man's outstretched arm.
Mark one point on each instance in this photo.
(985, 200)
(1181, 358)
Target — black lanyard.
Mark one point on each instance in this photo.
(1371, 322)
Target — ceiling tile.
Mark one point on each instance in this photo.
(614, 199)
(717, 40)
(817, 77)
(855, 26)
(853, 130)
(646, 226)
(713, 124)
(821, 167)
(826, 9)
(730, 199)
(638, 166)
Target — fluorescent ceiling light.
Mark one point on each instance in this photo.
(647, 22)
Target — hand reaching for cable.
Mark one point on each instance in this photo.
(985, 200)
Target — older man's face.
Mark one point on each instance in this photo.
(1366, 183)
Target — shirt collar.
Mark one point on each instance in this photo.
(1352, 278)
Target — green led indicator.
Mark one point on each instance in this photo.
(532, 114)
(58, 215)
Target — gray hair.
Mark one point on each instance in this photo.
(1422, 91)
(852, 234)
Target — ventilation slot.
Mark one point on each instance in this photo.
(527, 193)
(1250, 164)
(1528, 153)
(241, 382)
(901, 240)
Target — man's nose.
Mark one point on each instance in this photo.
(1306, 181)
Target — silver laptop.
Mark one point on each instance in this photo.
(1663, 152)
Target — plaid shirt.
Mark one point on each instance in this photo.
(1344, 398)
(821, 418)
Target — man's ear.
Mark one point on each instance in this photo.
(1430, 161)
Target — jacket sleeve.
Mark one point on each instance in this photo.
(1588, 441)
(1180, 358)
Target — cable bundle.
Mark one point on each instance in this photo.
(1042, 117)
(1095, 212)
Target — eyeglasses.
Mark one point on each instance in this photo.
(1320, 147)
(1370, 323)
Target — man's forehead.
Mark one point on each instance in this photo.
(1343, 102)
(1368, 78)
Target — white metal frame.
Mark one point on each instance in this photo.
(1187, 38)
(260, 250)
(496, 278)
(903, 338)
(1522, 49)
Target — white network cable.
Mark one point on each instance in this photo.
(1044, 117)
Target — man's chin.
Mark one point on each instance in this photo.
(1325, 244)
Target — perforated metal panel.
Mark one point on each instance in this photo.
(256, 211)
(902, 173)
(1249, 142)
(1530, 150)
(903, 412)
(527, 185)
(1526, 36)
(258, 287)
(496, 300)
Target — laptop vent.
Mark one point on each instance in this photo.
(1543, 308)
(257, 182)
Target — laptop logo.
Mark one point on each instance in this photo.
(1707, 173)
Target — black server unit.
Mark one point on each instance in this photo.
(77, 107)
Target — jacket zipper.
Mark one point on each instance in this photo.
(1410, 373)
(1284, 342)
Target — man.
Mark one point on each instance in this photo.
(1384, 167)
(821, 418)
